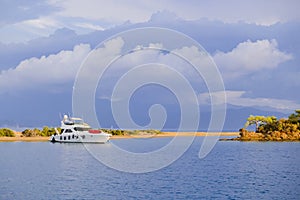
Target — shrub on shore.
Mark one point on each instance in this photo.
(31, 132)
(131, 132)
(114, 131)
(45, 132)
(6, 132)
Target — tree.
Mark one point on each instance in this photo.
(27, 133)
(259, 120)
(295, 117)
(31, 133)
(47, 131)
(5, 132)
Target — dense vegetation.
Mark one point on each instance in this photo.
(46, 132)
(269, 128)
(114, 131)
(131, 132)
(5, 132)
(270, 124)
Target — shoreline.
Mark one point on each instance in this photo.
(163, 134)
(275, 136)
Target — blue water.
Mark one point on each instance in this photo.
(233, 170)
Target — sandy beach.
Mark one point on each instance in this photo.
(163, 134)
(24, 139)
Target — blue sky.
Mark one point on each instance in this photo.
(255, 45)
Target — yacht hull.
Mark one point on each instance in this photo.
(90, 138)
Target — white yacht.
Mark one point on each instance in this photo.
(75, 130)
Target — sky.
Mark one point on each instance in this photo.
(43, 45)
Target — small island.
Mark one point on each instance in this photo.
(268, 128)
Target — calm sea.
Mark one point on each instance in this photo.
(233, 170)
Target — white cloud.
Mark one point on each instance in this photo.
(89, 26)
(251, 56)
(38, 72)
(99, 58)
(67, 13)
(118, 11)
(248, 11)
(17, 11)
(156, 46)
(236, 98)
(181, 59)
(29, 29)
(41, 23)
(57, 68)
(85, 16)
(229, 11)
(165, 64)
(62, 67)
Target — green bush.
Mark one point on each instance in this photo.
(5, 132)
(130, 132)
(288, 126)
(31, 133)
(114, 131)
(46, 132)
(295, 117)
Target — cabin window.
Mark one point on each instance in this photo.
(69, 137)
(62, 130)
(60, 137)
(65, 137)
(81, 128)
(68, 123)
(73, 136)
(68, 131)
